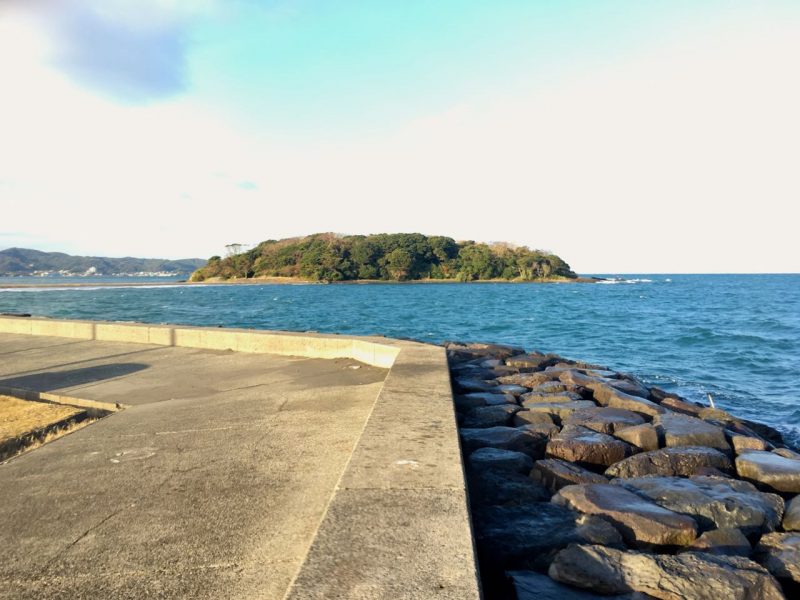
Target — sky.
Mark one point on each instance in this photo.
(635, 136)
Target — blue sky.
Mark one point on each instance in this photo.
(602, 130)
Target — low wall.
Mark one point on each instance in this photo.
(397, 525)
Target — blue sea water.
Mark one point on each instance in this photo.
(734, 336)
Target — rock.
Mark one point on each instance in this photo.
(555, 474)
(683, 462)
(786, 453)
(641, 523)
(460, 351)
(490, 416)
(535, 361)
(586, 447)
(560, 410)
(466, 402)
(770, 469)
(467, 384)
(604, 420)
(772, 435)
(679, 405)
(574, 377)
(791, 518)
(500, 460)
(605, 395)
(530, 380)
(504, 438)
(630, 386)
(743, 443)
(780, 554)
(710, 472)
(527, 417)
(498, 487)
(537, 398)
(713, 503)
(642, 437)
(728, 542)
(527, 536)
(511, 388)
(550, 387)
(682, 430)
(539, 428)
(687, 576)
(715, 414)
(530, 585)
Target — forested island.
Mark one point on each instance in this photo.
(327, 257)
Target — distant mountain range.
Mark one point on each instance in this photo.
(24, 261)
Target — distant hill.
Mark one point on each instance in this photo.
(386, 257)
(23, 261)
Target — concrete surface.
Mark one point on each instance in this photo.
(236, 474)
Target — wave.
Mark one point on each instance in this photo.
(620, 280)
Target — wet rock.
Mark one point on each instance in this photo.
(560, 410)
(499, 487)
(786, 453)
(744, 443)
(503, 438)
(772, 435)
(530, 380)
(682, 461)
(466, 402)
(606, 395)
(641, 523)
(468, 384)
(500, 460)
(713, 503)
(586, 447)
(530, 585)
(527, 536)
(791, 518)
(642, 437)
(537, 398)
(687, 576)
(490, 416)
(780, 554)
(555, 474)
(770, 469)
(727, 542)
(604, 420)
(683, 430)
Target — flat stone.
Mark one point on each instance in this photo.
(630, 386)
(770, 469)
(682, 461)
(526, 417)
(560, 410)
(527, 536)
(729, 542)
(683, 430)
(744, 443)
(511, 388)
(504, 438)
(490, 416)
(529, 380)
(466, 384)
(539, 398)
(686, 576)
(786, 453)
(530, 585)
(547, 429)
(780, 554)
(604, 419)
(586, 447)
(555, 474)
(642, 523)
(551, 387)
(466, 402)
(469, 351)
(606, 395)
(642, 437)
(574, 377)
(498, 487)
(500, 460)
(682, 406)
(712, 502)
(534, 360)
(791, 518)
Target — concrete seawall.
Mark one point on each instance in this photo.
(396, 524)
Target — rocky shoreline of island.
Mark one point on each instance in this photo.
(585, 483)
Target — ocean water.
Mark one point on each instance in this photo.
(734, 336)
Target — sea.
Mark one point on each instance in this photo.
(736, 337)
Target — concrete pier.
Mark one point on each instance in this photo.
(243, 464)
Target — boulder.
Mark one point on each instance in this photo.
(512, 388)
(744, 443)
(686, 576)
(504, 438)
(629, 385)
(551, 387)
(537, 398)
(574, 377)
(682, 461)
(500, 460)
(498, 487)
(728, 542)
(642, 437)
(466, 402)
(786, 453)
(712, 502)
(791, 518)
(683, 430)
(603, 419)
(527, 536)
(770, 469)
(547, 429)
(527, 417)
(642, 523)
(606, 395)
(534, 361)
(555, 474)
(586, 447)
(559, 410)
(780, 554)
(530, 585)
(530, 380)
(467, 351)
(682, 406)
(468, 384)
(490, 416)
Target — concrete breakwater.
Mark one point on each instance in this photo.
(583, 483)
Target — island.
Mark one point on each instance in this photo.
(329, 257)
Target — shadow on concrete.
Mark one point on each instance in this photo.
(55, 380)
